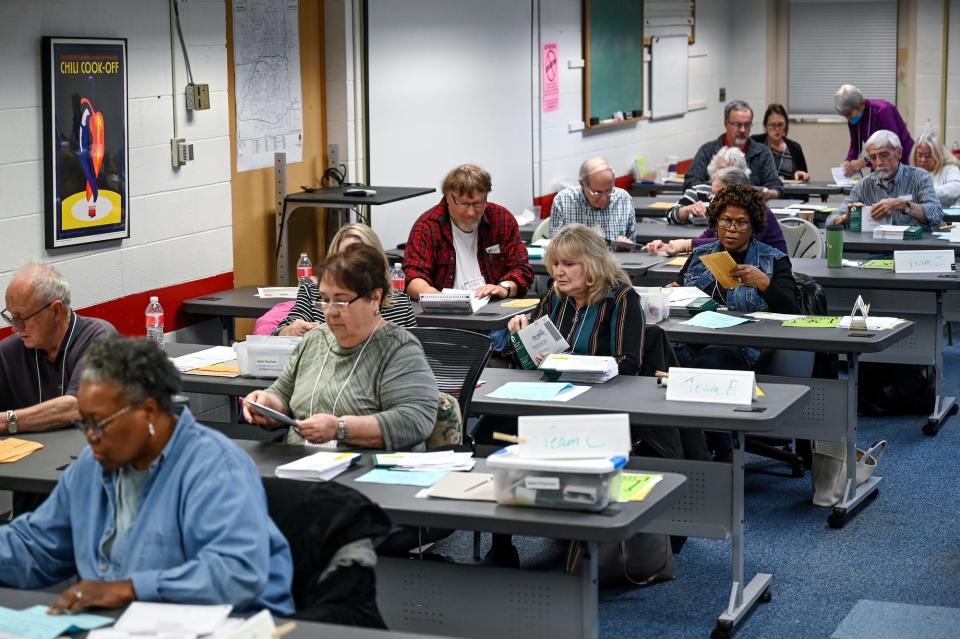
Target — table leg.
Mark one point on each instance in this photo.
(589, 590)
(943, 407)
(742, 599)
(853, 495)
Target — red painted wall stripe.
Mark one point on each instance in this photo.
(126, 313)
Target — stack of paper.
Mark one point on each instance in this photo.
(874, 323)
(680, 296)
(452, 300)
(155, 619)
(889, 232)
(14, 449)
(277, 292)
(587, 369)
(318, 466)
(206, 357)
(440, 460)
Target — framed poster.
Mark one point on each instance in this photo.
(86, 153)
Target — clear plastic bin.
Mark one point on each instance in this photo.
(570, 484)
(655, 303)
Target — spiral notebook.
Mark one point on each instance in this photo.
(452, 300)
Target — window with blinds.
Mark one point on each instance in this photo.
(843, 42)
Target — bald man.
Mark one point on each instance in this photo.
(40, 364)
(596, 203)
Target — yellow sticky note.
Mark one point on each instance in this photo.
(678, 261)
(636, 486)
(524, 302)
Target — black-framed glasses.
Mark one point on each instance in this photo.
(479, 205)
(776, 125)
(741, 125)
(736, 225)
(96, 428)
(20, 322)
(340, 307)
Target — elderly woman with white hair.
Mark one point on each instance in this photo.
(691, 208)
(934, 158)
(895, 192)
(865, 117)
(596, 203)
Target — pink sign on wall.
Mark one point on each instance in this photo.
(551, 77)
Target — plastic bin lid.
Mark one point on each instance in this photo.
(509, 458)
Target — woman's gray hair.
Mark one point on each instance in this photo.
(728, 156)
(941, 156)
(882, 138)
(731, 176)
(47, 282)
(138, 366)
(735, 105)
(847, 98)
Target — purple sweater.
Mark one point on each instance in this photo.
(878, 115)
(771, 235)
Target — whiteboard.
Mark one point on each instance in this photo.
(668, 76)
(449, 83)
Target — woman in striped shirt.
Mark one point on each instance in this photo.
(305, 316)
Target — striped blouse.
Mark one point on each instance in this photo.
(397, 310)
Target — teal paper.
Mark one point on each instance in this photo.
(712, 319)
(536, 391)
(535, 252)
(35, 623)
(422, 478)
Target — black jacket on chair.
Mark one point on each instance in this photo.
(318, 519)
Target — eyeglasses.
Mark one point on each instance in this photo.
(476, 206)
(881, 156)
(736, 225)
(340, 307)
(95, 428)
(924, 156)
(606, 193)
(20, 322)
(776, 125)
(741, 125)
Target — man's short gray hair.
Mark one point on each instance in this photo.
(847, 98)
(47, 283)
(594, 166)
(881, 139)
(728, 156)
(732, 176)
(735, 105)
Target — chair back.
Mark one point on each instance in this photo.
(457, 358)
(542, 230)
(803, 238)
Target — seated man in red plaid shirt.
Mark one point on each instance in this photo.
(466, 242)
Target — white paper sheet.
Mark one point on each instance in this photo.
(206, 357)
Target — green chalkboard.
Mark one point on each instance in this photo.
(613, 52)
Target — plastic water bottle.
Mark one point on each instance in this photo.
(304, 268)
(154, 320)
(956, 149)
(397, 278)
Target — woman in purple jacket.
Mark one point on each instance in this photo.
(866, 117)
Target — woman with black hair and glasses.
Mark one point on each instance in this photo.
(356, 380)
(787, 155)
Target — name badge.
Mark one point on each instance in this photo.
(711, 386)
(493, 250)
(923, 261)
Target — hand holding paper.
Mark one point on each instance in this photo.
(720, 266)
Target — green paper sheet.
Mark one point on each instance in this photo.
(814, 321)
(887, 264)
(636, 486)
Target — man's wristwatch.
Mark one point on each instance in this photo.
(507, 285)
(12, 427)
(341, 429)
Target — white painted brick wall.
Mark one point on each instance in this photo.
(180, 220)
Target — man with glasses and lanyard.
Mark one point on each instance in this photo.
(40, 364)
(597, 203)
(738, 120)
(467, 242)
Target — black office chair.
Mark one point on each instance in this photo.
(457, 357)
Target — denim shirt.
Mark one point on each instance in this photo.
(202, 534)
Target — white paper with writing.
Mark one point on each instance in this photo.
(711, 386)
(574, 436)
(939, 261)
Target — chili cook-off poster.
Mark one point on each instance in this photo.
(86, 164)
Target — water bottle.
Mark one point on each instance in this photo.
(154, 320)
(397, 278)
(956, 149)
(835, 246)
(304, 268)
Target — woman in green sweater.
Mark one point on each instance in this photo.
(356, 380)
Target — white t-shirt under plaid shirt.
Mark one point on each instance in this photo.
(617, 218)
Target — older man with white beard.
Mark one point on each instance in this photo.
(737, 120)
(897, 193)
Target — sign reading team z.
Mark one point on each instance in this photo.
(86, 152)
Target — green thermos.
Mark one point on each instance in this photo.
(835, 245)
